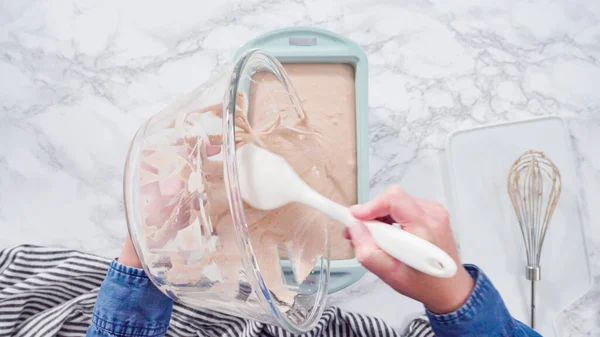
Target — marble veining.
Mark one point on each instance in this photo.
(77, 77)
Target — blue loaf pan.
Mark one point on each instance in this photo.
(312, 45)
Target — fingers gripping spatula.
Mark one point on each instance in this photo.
(268, 182)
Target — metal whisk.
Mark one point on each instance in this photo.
(534, 186)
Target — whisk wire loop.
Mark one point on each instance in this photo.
(534, 186)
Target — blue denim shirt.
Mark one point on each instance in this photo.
(484, 314)
(128, 304)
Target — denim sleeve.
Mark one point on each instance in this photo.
(484, 314)
(128, 304)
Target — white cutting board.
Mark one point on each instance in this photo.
(488, 234)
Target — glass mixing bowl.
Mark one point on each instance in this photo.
(199, 243)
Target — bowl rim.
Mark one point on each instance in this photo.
(242, 66)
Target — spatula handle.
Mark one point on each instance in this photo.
(412, 250)
(405, 247)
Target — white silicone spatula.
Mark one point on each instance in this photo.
(268, 182)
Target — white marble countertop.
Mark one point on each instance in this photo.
(77, 77)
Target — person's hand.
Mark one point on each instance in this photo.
(426, 219)
(128, 256)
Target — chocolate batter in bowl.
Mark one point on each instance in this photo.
(197, 240)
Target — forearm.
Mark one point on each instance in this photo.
(128, 304)
(484, 314)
